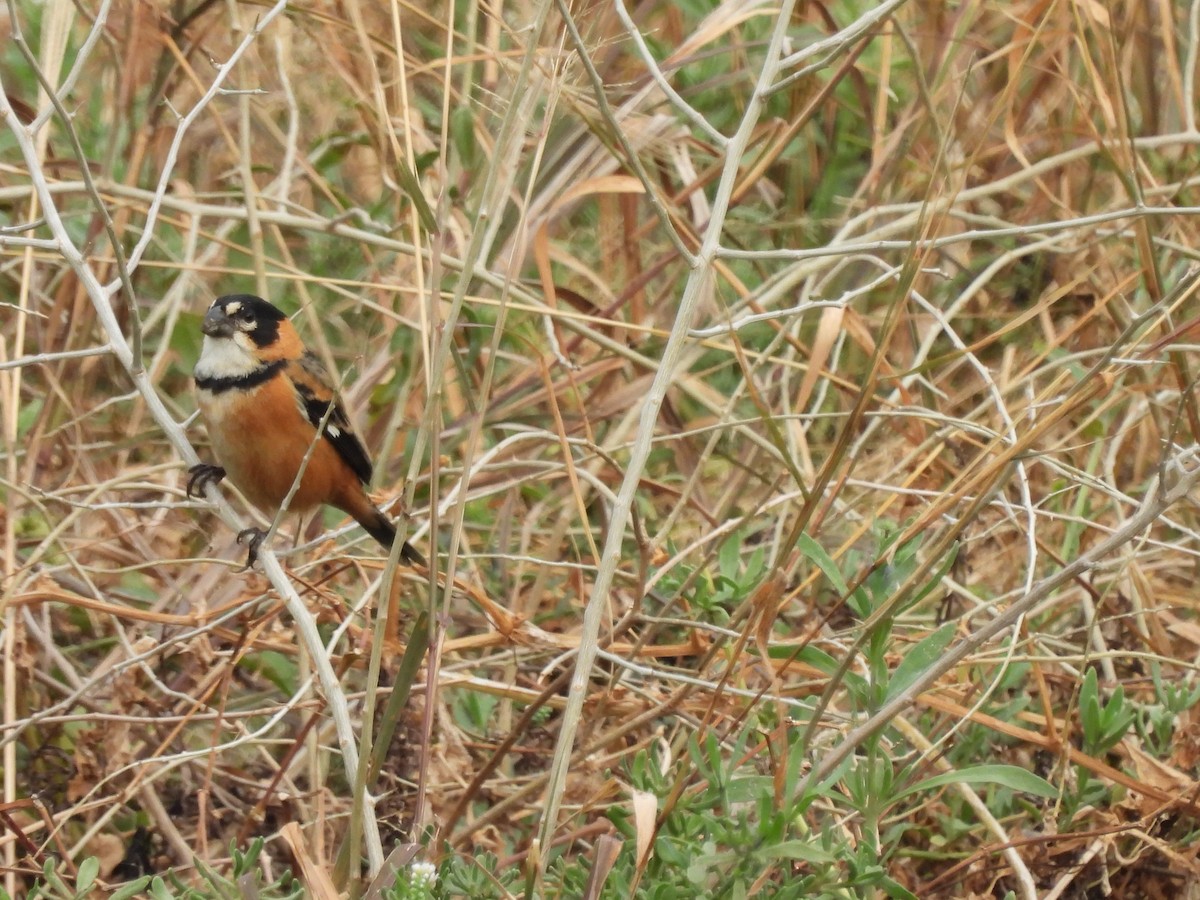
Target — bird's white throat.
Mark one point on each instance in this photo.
(230, 357)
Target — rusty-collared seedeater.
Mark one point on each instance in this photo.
(268, 402)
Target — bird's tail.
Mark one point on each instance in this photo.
(380, 527)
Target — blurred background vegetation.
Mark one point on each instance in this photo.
(914, 279)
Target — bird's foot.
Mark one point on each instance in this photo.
(253, 538)
(201, 476)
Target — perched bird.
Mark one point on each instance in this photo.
(263, 397)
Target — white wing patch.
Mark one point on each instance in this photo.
(300, 405)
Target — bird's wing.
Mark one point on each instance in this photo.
(315, 397)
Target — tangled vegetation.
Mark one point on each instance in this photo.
(793, 401)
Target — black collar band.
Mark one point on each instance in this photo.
(218, 385)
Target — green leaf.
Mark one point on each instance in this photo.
(411, 186)
(50, 876)
(274, 666)
(935, 577)
(27, 415)
(1013, 777)
(896, 890)
(88, 870)
(133, 889)
(805, 851)
(920, 658)
(462, 134)
(1104, 724)
(814, 656)
(748, 788)
(816, 554)
(729, 558)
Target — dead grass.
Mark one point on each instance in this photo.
(922, 303)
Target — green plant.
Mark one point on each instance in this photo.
(1157, 722)
(246, 879)
(1103, 723)
(475, 875)
(54, 885)
(416, 881)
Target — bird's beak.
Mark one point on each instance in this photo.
(216, 324)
